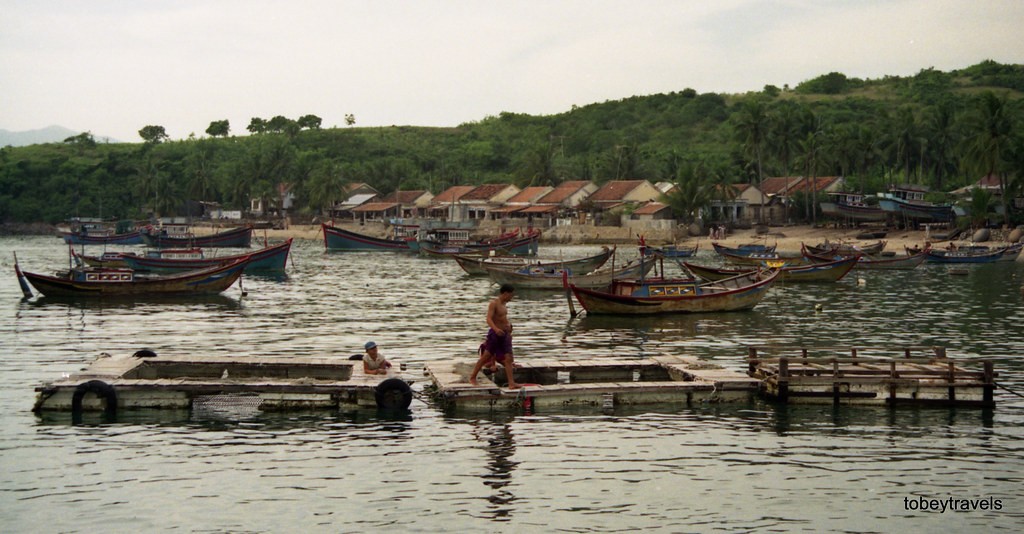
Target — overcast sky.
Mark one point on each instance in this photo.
(112, 67)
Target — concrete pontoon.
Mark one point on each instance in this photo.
(145, 380)
(604, 382)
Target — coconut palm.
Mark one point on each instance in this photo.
(988, 137)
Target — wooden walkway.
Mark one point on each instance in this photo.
(604, 382)
(916, 376)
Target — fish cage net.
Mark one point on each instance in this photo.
(227, 405)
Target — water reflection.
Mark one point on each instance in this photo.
(140, 303)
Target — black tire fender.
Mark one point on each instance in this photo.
(393, 394)
(102, 389)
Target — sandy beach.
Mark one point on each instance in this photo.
(787, 238)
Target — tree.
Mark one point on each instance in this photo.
(219, 128)
(691, 193)
(752, 127)
(153, 134)
(257, 126)
(311, 122)
(989, 132)
(325, 185)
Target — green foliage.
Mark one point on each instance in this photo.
(934, 128)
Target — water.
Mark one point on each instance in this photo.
(735, 467)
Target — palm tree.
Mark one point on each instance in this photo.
(325, 185)
(691, 193)
(810, 157)
(752, 131)
(988, 138)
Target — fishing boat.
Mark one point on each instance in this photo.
(345, 240)
(475, 266)
(759, 259)
(162, 237)
(972, 254)
(117, 259)
(674, 251)
(203, 382)
(851, 206)
(271, 258)
(507, 244)
(907, 262)
(83, 237)
(825, 271)
(845, 249)
(917, 210)
(551, 278)
(104, 283)
(744, 249)
(656, 296)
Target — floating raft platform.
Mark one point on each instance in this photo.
(144, 380)
(919, 376)
(605, 382)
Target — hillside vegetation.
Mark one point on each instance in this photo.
(940, 129)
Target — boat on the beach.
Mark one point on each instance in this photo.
(475, 266)
(824, 271)
(94, 282)
(271, 258)
(656, 296)
(197, 382)
(161, 237)
(551, 278)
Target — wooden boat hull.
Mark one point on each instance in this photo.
(845, 249)
(344, 240)
(553, 279)
(476, 266)
(234, 238)
(273, 258)
(675, 251)
(899, 263)
(852, 212)
(204, 282)
(517, 246)
(830, 271)
(760, 259)
(127, 238)
(743, 250)
(947, 256)
(918, 211)
(682, 299)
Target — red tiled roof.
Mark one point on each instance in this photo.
(484, 192)
(615, 190)
(452, 194)
(530, 194)
(540, 209)
(650, 208)
(818, 184)
(562, 192)
(403, 197)
(778, 184)
(375, 206)
(507, 209)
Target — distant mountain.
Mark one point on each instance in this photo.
(50, 134)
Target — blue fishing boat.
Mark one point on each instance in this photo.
(272, 258)
(340, 239)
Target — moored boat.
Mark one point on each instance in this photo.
(825, 271)
(649, 297)
(234, 238)
(894, 263)
(475, 266)
(551, 278)
(744, 249)
(969, 254)
(336, 238)
(271, 258)
(106, 283)
(85, 238)
(845, 249)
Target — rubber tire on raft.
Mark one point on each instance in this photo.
(393, 394)
(102, 390)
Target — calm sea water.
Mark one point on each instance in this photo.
(732, 467)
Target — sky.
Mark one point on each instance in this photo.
(112, 67)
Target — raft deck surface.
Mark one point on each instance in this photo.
(920, 376)
(178, 382)
(593, 382)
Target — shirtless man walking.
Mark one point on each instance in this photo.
(498, 344)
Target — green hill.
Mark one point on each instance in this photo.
(942, 129)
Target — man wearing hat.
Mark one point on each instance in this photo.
(373, 362)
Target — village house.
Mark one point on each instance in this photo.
(616, 196)
(782, 190)
(514, 206)
(742, 206)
